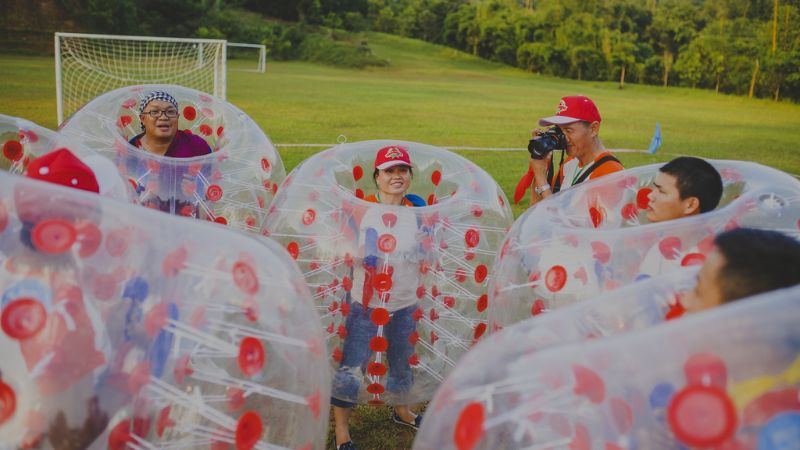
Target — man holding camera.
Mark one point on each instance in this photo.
(576, 128)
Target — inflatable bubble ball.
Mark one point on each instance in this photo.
(401, 290)
(24, 141)
(231, 185)
(723, 378)
(128, 328)
(595, 237)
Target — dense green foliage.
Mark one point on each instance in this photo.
(743, 47)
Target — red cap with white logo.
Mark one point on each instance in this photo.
(571, 109)
(62, 167)
(391, 156)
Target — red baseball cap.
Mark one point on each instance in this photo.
(62, 167)
(391, 156)
(571, 109)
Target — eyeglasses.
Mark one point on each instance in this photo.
(156, 113)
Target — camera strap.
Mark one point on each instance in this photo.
(557, 182)
(552, 175)
(597, 164)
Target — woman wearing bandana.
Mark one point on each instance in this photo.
(158, 113)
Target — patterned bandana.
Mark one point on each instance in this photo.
(157, 95)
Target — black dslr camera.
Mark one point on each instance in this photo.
(552, 139)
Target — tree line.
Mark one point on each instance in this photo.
(742, 47)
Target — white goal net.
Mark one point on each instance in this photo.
(247, 57)
(88, 65)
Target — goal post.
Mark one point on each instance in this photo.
(236, 49)
(88, 65)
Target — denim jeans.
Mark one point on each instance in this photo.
(356, 353)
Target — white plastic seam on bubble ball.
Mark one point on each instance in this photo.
(128, 328)
(413, 277)
(233, 185)
(595, 237)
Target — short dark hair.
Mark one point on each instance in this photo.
(696, 178)
(756, 261)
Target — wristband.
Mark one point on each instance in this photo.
(541, 189)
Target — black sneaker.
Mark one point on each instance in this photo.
(347, 446)
(415, 424)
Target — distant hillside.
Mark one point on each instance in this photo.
(28, 26)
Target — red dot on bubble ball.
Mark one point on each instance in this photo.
(358, 172)
(251, 356)
(378, 344)
(556, 278)
(469, 427)
(480, 273)
(293, 249)
(387, 243)
(642, 198)
(8, 402)
(436, 177)
(12, 150)
(248, 430)
(23, 318)
(189, 113)
(380, 316)
(53, 236)
(702, 417)
(472, 237)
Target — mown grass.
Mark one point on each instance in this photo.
(438, 96)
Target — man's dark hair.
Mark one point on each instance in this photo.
(695, 177)
(756, 261)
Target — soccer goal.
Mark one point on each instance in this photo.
(241, 57)
(88, 65)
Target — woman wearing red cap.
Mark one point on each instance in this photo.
(579, 120)
(389, 246)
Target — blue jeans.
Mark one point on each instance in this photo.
(356, 353)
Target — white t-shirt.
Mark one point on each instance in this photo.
(378, 226)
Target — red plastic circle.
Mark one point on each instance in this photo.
(23, 318)
(469, 427)
(556, 278)
(693, 259)
(245, 277)
(358, 172)
(8, 402)
(248, 430)
(89, 237)
(670, 247)
(382, 282)
(472, 238)
(480, 273)
(214, 192)
(436, 177)
(378, 344)
(251, 356)
(12, 150)
(53, 236)
(642, 198)
(479, 330)
(379, 316)
(189, 113)
(629, 211)
(702, 416)
(309, 216)
(597, 215)
(482, 303)
(293, 249)
(387, 243)
(375, 388)
(376, 369)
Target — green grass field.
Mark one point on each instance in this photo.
(438, 96)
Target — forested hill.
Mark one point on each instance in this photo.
(743, 47)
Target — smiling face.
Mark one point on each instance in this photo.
(707, 292)
(394, 180)
(161, 127)
(580, 137)
(665, 201)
